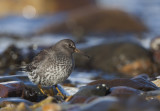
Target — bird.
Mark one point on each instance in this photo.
(52, 65)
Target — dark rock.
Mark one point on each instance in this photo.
(20, 86)
(31, 94)
(13, 58)
(101, 104)
(119, 57)
(123, 91)
(19, 89)
(136, 83)
(83, 99)
(137, 103)
(94, 90)
(11, 89)
(78, 99)
(86, 92)
(10, 59)
(96, 20)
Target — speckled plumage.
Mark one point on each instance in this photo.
(53, 65)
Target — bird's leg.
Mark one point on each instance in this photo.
(68, 98)
(59, 92)
(43, 92)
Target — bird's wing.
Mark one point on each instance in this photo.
(38, 60)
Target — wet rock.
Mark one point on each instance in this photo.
(123, 91)
(96, 20)
(118, 57)
(133, 103)
(26, 89)
(13, 101)
(94, 90)
(78, 99)
(100, 104)
(18, 89)
(31, 94)
(136, 83)
(11, 89)
(137, 103)
(152, 95)
(86, 92)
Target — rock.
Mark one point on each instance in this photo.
(100, 104)
(78, 99)
(23, 107)
(13, 101)
(29, 91)
(11, 89)
(123, 91)
(118, 57)
(9, 60)
(19, 89)
(51, 107)
(48, 100)
(137, 83)
(94, 90)
(86, 92)
(31, 94)
(95, 20)
(8, 109)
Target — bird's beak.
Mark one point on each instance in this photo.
(77, 50)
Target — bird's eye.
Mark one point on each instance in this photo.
(70, 46)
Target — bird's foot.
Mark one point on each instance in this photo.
(60, 93)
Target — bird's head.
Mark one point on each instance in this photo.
(69, 46)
